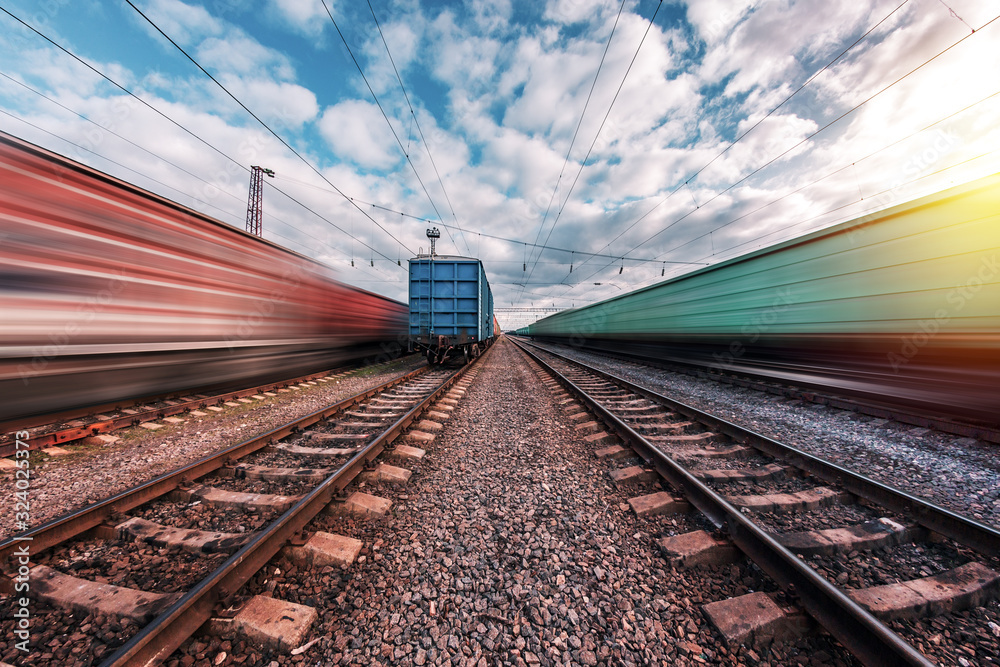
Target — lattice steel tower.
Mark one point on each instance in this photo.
(255, 213)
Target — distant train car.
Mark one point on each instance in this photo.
(451, 308)
(111, 292)
(902, 305)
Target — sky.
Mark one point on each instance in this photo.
(580, 148)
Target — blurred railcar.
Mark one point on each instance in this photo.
(901, 306)
(451, 308)
(111, 292)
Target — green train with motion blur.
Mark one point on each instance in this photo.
(901, 306)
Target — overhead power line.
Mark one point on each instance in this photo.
(378, 103)
(801, 142)
(420, 131)
(872, 196)
(113, 133)
(837, 171)
(121, 87)
(109, 160)
(163, 115)
(576, 132)
(183, 193)
(505, 239)
(824, 127)
(263, 124)
(753, 127)
(583, 162)
(125, 139)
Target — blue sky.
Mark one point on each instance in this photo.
(672, 179)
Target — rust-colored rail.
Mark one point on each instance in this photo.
(167, 632)
(860, 632)
(866, 403)
(63, 436)
(978, 536)
(70, 525)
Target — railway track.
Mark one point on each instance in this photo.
(800, 519)
(53, 430)
(224, 517)
(779, 382)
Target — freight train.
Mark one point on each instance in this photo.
(451, 308)
(901, 306)
(111, 292)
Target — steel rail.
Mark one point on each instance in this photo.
(978, 536)
(868, 402)
(62, 436)
(74, 523)
(860, 632)
(167, 632)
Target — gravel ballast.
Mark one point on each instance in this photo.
(957, 473)
(510, 545)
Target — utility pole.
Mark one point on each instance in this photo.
(255, 213)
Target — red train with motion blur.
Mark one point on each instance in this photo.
(111, 292)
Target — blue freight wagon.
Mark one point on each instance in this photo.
(451, 308)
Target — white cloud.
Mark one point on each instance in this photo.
(460, 59)
(307, 16)
(186, 24)
(240, 54)
(491, 15)
(286, 104)
(357, 132)
(715, 19)
(577, 11)
(403, 38)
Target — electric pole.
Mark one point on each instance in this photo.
(255, 213)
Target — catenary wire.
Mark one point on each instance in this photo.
(516, 242)
(149, 106)
(576, 132)
(185, 194)
(123, 138)
(109, 160)
(801, 142)
(583, 163)
(719, 256)
(739, 138)
(420, 131)
(119, 86)
(837, 171)
(378, 103)
(265, 125)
